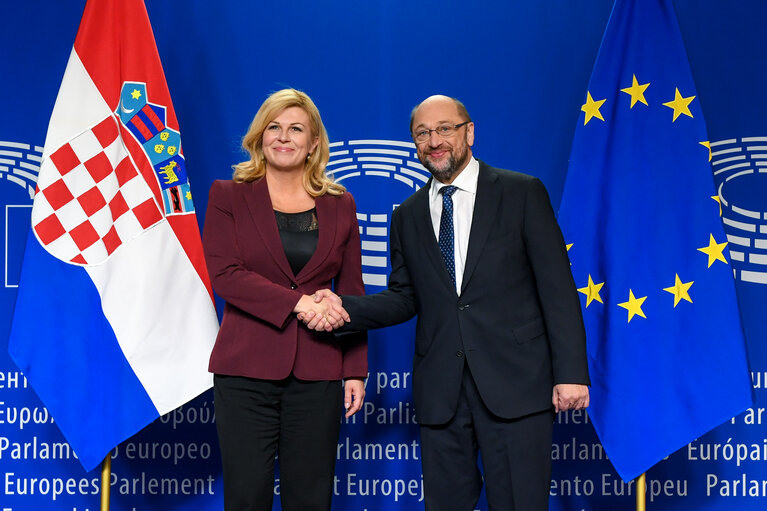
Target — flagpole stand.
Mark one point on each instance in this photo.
(641, 488)
(106, 475)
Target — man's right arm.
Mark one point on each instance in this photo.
(392, 306)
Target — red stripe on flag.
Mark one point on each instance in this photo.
(122, 48)
(139, 125)
(149, 112)
(109, 64)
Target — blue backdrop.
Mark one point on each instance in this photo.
(521, 68)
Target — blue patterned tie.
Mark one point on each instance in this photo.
(446, 232)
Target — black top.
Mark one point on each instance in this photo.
(299, 233)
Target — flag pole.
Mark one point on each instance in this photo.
(106, 474)
(641, 487)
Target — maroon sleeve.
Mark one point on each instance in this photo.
(239, 285)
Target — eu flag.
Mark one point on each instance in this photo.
(666, 350)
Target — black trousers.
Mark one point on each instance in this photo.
(298, 419)
(516, 458)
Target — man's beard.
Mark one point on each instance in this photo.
(450, 168)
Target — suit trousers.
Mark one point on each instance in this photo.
(515, 454)
(299, 420)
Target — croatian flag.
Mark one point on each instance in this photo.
(114, 320)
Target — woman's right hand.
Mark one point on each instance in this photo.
(326, 315)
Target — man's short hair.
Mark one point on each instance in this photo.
(460, 106)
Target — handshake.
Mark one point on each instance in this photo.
(321, 311)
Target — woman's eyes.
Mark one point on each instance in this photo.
(276, 127)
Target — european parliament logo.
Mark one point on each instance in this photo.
(380, 174)
(740, 172)
(19, 167)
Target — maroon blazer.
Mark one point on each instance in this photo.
(260, 336)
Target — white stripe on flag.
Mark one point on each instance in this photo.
(161, 314)
(79, 106)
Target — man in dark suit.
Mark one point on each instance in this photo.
(500, 345)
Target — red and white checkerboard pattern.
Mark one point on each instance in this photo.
(91, 198)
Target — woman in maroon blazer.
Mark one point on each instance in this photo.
(274, 234)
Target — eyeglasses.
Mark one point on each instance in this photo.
(444, 131)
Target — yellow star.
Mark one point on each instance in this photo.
(707, 145)
(188, 195)
(636, 92)
(680, 105)
(591, 108)
(592, 292)
(135, 94)
(634, 305)
(719, 200)
(714, 251)
(680, 290)
(569, 246)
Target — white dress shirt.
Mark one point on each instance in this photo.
(463, 212)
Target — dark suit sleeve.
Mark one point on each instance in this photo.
(394, 305)
(556, 289)
(232, 281)
(349, 282)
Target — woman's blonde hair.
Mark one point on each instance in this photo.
(316, 182)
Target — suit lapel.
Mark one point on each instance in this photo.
(327, 217)
(256, 196)
(425, 232)
(485, 205)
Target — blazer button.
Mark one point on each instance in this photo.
(462, 306)
(459, 354)
(293, 286)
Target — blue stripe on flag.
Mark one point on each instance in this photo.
(75, 354)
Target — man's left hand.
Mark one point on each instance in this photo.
(570, 396)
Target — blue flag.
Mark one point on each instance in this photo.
(666, 350)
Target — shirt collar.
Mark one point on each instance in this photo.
(466, 180)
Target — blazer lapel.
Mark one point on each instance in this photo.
(425, 231)
(327, 216)
(256, 196)
(485, 205)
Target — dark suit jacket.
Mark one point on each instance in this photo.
(260, 336)
(518, 320)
